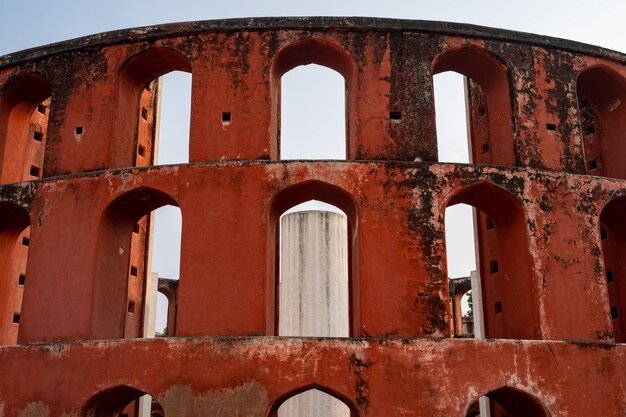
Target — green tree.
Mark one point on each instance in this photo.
(470, 304)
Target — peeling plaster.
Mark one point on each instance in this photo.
(247, 400)
(35, 409)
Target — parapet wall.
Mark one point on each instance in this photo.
(237, 66)
(547, 122)
(253, 376)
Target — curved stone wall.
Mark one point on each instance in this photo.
(77, 184)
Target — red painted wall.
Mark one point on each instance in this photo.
(96, 187)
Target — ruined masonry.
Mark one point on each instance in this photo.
(548, 181)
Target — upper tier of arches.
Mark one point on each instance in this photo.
(518, 115)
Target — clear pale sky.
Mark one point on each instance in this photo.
(26, 24)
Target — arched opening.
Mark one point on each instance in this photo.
(141, 88)
(506, 402)
(24, 111)
(313, 283)
(489, 115)
(460, 238)
(315, 260)
(155, 96)
(467, 314)
(167, 307)
(162, 310)
(123, 278)
(602, 113)
(310, 403)
(613, 237)
(122, 401)
(312, 111)
(325, 54)
(173, 115)
(451, 117)
(462, 311)
(14, 243)
(472, 106)
(504, 265)
(165, 247)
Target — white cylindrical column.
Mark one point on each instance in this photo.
(314, 298)
(313, 275)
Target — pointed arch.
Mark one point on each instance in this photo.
(113, 402)
(290, 197)
(511, 402)
(137, 102)
(14, 223)
(488, 95)
(509, 304)
(275, 406)
(459, 288)
(152, 63)
(613, 238)
(602, 115)
(114, 243)
(320, 52)
(22, 130)
(169, 289)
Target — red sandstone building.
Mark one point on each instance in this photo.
(548, 134)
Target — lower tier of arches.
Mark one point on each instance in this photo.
(254, 376)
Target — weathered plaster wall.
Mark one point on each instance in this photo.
(535, 140)
(250, 376)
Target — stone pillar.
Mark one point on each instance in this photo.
(314, 275)
(150, 304)
(313, 293)
(477, 304)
